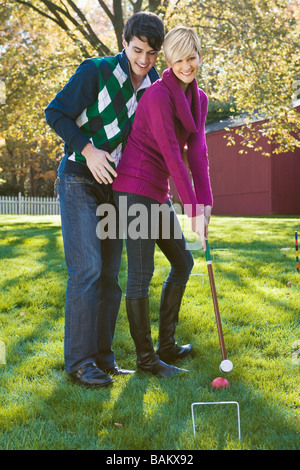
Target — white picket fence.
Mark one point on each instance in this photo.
(20, 205)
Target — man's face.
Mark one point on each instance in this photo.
(140, 55)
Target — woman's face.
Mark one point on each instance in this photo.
(186, 69)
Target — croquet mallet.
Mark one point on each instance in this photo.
(226, 365)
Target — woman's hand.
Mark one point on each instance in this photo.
(200, 225)
(207, 213)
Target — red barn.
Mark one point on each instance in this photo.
(251, 184)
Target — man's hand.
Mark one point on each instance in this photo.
(97, 162)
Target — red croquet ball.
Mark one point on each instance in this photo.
(220, 382)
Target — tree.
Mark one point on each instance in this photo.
(250, 49)
(251, 59)
(78, 25)
(250, 66)
(35, 61)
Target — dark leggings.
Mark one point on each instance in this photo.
(146, 223)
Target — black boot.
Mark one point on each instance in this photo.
(168, 350)
(139, 323)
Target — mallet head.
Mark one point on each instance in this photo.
(226, 366)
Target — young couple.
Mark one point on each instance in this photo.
(96, 114)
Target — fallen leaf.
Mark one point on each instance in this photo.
(118, 425)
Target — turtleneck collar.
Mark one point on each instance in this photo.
(187, 105)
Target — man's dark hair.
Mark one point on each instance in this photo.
(145, 25)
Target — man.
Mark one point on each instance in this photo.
(93, 114)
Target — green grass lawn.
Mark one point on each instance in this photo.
(259, 300)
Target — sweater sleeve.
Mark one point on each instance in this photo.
(198, 160)
(80, 92)
(162, 127)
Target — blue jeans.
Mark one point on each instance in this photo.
(158, 226)
(93, 292)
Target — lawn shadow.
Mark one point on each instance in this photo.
(166, 422)
(144, 412)
(49, 256)
(32, 287)
(242, 280)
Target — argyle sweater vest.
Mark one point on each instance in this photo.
(108, 121)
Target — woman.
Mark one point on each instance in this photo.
(170, 116)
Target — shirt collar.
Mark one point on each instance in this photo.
(151, 77)
(145, 83)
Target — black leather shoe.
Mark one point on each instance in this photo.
(177, 353)
(162, 369)
(117, 371)
(91, 376)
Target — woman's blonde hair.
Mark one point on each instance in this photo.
(179, 43)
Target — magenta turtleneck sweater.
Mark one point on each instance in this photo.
(166, 121)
